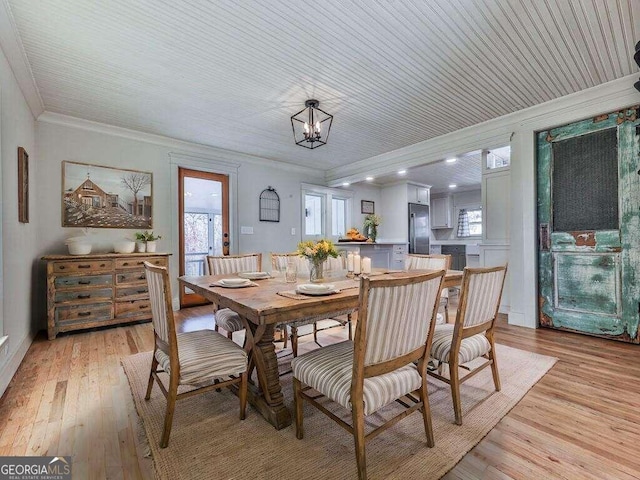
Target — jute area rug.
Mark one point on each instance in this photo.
(208, 441)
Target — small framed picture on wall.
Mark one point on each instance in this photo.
(367, 206)
(23, 185)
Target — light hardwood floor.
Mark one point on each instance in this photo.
(582, 420)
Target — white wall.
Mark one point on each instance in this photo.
(19, 241)
(59, 142)
(366, 192)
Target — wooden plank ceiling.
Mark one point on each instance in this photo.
(393, 73)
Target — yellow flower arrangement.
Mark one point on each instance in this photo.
(318, 251)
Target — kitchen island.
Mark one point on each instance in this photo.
(389, 255)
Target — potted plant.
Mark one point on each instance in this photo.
(141, 245)
(371, 223)
(149, 240)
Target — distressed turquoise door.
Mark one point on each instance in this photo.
(589, 226)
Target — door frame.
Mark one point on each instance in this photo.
(203, 164)
(192, 299)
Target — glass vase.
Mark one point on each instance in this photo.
(316, 270)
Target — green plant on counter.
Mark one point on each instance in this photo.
(147, 236)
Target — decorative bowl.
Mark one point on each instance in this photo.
(124, 246)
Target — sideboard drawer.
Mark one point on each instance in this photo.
(85, 295)
(138, 262)
(79, 266)
(83, 313)
(137, 276)
(136, 293)
(133, 308)
(83, 281)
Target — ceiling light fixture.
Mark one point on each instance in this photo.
(345, 184)
(451, 160)
(311, 125)
(402, 172)
(453, 185)
(369, 179)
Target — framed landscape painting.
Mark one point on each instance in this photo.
(105, 197)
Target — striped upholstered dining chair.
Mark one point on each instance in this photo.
(377, 368)
(471, 336)
(291, 330)
(228, 264)
(433, 262)
(203, 357)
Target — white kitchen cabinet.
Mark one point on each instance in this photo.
(418, 194)
(441, 212)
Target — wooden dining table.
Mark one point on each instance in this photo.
(272, 302)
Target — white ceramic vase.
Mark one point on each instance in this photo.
(141, 247)
(151, 247)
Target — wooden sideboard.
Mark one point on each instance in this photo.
(86, 291)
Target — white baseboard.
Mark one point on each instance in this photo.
(9, 369)
(519, 320)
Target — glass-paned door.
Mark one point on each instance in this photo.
(204, 225)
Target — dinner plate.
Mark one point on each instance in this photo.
(316, 289)
(234, 282)
(254, 275)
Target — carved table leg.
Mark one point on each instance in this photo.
(268, 398)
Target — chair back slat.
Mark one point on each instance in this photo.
(234, 264)
(428, 262)
(482, 296)
(158, 299)
(398, 318)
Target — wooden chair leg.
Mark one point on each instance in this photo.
(349, 326)
(357, 412)
(242, 394)
(297, 402)
(494, 365)
(285, 334)
(171, 407)
(426, 413)
(154, 367)
(315, 332)
(294, 341)
(446, 311)
(454, 377)
(230, 335)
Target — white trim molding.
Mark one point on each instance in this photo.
(9, 369)
(190, 149)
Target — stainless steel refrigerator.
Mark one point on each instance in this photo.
(419, 228)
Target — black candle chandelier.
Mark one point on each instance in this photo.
(311, 125)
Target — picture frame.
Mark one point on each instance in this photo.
(106, 197)
(367, 206)
(23, 185)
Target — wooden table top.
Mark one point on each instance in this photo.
(262, 304)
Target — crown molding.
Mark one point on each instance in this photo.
(177, 147)
(493, 133)
(13, 49)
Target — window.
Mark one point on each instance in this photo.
(338, 216)
(313, 214)
(475, 222)
(326, 212)
(498, 157)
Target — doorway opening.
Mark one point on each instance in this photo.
(203, 224)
